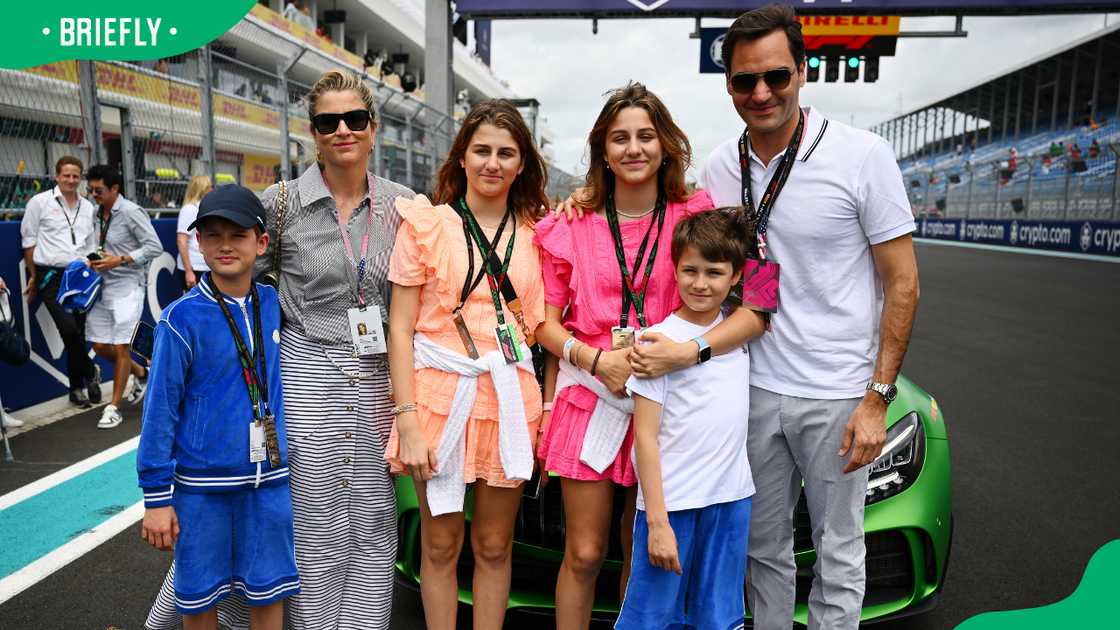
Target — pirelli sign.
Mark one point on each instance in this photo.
(867, 25)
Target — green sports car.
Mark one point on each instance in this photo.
(908, 524)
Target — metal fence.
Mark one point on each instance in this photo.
(1043, 186)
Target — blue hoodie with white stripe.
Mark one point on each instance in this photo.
(195, 436)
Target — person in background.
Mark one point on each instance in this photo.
(190, 260)
(8, 421)
(125, 243)
(57, 229)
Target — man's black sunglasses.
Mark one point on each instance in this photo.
(745, 82)
(356, 120)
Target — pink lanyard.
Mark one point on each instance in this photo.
(360, 265)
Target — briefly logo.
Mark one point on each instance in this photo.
(1014, 232)
(1086, 236)
(716, 51)
(647, 6)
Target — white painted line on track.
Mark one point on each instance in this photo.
(1020, 250)
(53, 479)
(31, 574)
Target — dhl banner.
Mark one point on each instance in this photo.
(259, 171)
(129, 82)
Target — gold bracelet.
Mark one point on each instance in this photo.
(403, 409)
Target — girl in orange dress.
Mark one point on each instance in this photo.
(467, 294)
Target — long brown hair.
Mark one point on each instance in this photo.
(674, 144)
(526, 195)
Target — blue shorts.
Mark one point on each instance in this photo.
(712, 548)
(239, 542)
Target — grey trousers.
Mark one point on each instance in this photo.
(794, 439)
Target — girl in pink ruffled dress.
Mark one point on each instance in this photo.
(607, 275)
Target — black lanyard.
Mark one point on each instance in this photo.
(252, 365)
(104, 226)
(70, 223)
(777, 181)
(632, 295)
(469, 285)
(494, 270)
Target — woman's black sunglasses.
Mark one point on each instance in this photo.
(745, 82)
(356, 120)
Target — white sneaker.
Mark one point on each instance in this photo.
(110, 417)
(136, 388)
(10, 422)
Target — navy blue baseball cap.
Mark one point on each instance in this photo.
(234, 203)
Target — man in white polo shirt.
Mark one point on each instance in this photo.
(822, 377)
(57, 229)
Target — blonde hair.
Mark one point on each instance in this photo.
(197, 189)
(339, 81)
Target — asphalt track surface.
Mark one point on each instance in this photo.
(1020, 351)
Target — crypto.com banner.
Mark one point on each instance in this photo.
(555, 8)
(1081, 237)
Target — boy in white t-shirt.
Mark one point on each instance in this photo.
(690, 451)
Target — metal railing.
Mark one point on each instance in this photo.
(1045, 186)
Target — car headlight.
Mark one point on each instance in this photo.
(901, 461)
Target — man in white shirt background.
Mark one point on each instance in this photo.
(57, 229)
(822, 377)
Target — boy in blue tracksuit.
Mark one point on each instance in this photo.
(213, 455)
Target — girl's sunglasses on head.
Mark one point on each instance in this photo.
(745, 82)
(356, 120)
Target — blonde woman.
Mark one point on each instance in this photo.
(339, 226)
(190, 259)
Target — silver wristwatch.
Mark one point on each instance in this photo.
(887, 390)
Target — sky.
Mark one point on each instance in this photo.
(568, 69)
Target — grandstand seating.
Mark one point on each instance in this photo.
(939, 184)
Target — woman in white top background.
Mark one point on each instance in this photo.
(190, 259)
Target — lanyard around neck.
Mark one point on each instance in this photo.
(469, 285)
(70, 222)
(103, 224)
(252, 365)
(777, 181)
(631, 294)
(360, 265)
(496, 274)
